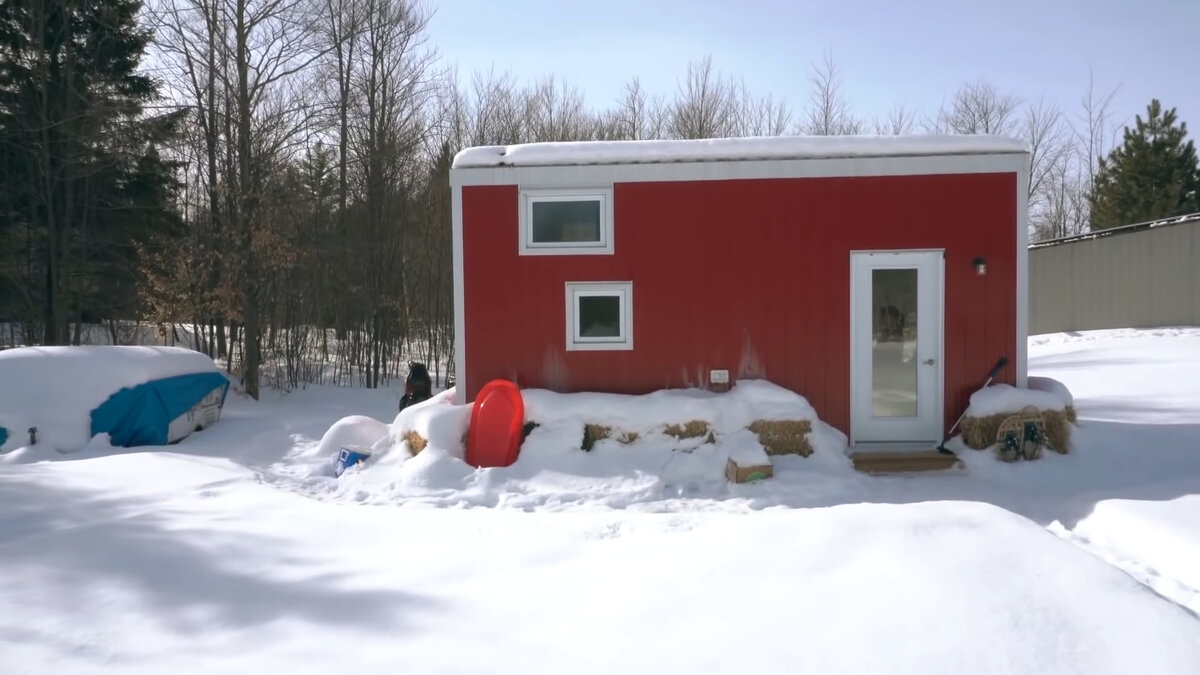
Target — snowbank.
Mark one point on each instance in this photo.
(1163, 536)
(999, 399)
(636, 458)
(747, 401)
(438, 422)
(109, 570)
(352, 431)
(56, 388)
(694, 150)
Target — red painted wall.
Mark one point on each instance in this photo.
(747, 275)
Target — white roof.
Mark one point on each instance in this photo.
(728, 149)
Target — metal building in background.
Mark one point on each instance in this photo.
(1141, 275)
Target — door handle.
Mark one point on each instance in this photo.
(929, 362)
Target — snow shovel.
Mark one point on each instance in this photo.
(991, 376)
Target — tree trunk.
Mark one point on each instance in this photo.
(245, 216)
(219, 329)
(214, 197)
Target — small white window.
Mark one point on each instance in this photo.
(566, 222)
(599, 315)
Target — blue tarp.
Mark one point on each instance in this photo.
(141, 415)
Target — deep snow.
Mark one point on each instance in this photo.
(233, 552)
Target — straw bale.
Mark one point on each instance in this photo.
(783, 437)
(593, 433)
(416, 442)
(979, 433)
(692, 429)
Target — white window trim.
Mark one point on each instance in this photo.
(529, 197)
(581, 289)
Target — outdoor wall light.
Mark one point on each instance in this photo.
(980, 266)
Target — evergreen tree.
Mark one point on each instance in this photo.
(83, 181)
(1153, 174)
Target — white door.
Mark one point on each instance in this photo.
(896, 346)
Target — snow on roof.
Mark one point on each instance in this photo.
(725, 149)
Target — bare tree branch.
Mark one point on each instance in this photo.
(829, 112)
(898, 121)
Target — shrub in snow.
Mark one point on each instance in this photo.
(993, 406)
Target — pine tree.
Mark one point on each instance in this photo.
(83, 180)
(1153, 174)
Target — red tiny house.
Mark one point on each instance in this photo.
(744, 265)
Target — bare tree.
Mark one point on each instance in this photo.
(451, 121)
(829, 112)
(1063, 209)
(394, 91)
(978, 108)
(898, 121)
(1095, 133)
(1049, 146)
(1052, 175)
(271, 49)
(762, 115)
(706, 105)
(495, 114)
(636, 116)
(557, 113)
(188, 38)
(338, 28)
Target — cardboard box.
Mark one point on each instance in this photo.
(745, 474)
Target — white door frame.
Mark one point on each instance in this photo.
(929, 424)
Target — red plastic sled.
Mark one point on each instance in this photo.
(497, 421)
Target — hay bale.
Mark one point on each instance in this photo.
(979, 433)
(692, 429)
(1058, 429)
(783, 437)
(593, 433)
(416, 442)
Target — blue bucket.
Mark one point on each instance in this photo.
(347, 458)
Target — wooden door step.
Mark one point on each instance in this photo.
(883, 461)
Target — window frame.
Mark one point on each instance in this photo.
(531, 196)
(582, 289)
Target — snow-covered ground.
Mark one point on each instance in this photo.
(234, 552)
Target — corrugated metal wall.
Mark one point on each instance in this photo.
(1140, 278)
(750, 276)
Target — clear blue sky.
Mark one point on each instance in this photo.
(915, 51)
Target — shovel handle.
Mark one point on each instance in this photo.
(999, 367)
